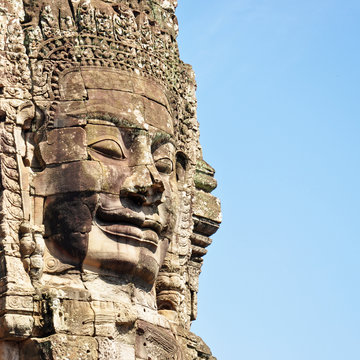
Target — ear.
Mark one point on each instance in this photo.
(25, 114)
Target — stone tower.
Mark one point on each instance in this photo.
(105, 200)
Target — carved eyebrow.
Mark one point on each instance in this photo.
(104, 137)
(119, 122)
(161, 138)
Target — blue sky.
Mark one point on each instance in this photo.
(279, 112)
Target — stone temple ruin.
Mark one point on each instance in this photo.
(105, 204)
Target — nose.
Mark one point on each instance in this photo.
(144, 186)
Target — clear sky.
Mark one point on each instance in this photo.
(279, 112)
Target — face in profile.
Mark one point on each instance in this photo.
(111, 205)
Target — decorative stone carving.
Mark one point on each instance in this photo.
(105, 204)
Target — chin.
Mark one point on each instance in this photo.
(126, 252)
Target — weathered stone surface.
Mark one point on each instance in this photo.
(70, 113)
(114, 349)
(14, 302)
(150, 90)
(207, 206)
(105, 204)
(108, 79)
(60, 347)
(155, 342)
(114, 106)
(63, 145)
(104, 318)
(158, 116)
(15, 326)
(72, 177)
(73, 317)
(204, 177)
(72, 87)
(197, 349)
(9, 350)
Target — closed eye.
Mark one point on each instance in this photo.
(164, 165)
(108, 148)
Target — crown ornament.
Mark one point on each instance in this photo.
(136, 37)
(139, 37)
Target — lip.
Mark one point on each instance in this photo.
(127, 224)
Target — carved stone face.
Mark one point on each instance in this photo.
(109, 178)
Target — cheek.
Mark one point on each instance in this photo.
(170, 206)
(172, 191)
(69, 213)
(67, 220)
(113, 178)
(163, 248)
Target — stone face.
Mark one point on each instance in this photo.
(105, 206)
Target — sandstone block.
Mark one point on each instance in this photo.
(81, 320)
(16, 303)
(69, 113)
(158, 116)
(73, 88)
(207, 206)
(115, 349)
(150, 90)
(9, 350)
(63, 145)
(107, 79)
(60, 347)
(16, 326)
(72, 177)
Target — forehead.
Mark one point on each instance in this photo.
(96, 130)
(98, 93)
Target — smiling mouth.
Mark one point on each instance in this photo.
(127, 225)
(127, 231)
